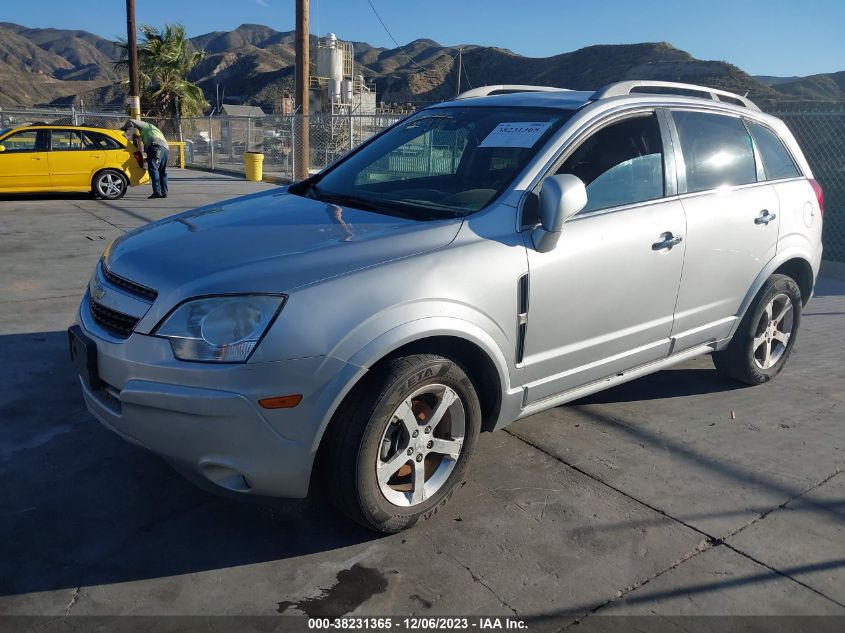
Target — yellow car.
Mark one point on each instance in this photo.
(68, 158)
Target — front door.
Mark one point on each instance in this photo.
(23, 161)
(602, 300)
(732, 224)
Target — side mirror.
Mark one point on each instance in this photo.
(561, 197)
(2, 148)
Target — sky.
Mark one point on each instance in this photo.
(763, 37)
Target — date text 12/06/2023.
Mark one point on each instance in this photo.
(417, 623)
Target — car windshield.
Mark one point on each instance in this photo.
(4, 130)
(442, 162)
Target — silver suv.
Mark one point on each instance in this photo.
(482, 260)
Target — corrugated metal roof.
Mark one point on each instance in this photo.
(242, 110)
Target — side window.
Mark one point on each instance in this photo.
(65, 140)
(22, 142)
(95, 140)
(620, 164)
(777, 163)
(717, 150)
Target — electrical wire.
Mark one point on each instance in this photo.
(464, 69)
(386, 30)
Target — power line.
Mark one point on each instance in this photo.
(464, 68)
(386, 30)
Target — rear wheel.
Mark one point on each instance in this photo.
(401, 445)
(766, 335)
(110, 184)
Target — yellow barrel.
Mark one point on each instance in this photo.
(253, 162)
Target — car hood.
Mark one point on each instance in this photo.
(272, 241)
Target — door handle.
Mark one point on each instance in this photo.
(765, 217)
(34, 158)
(667, 241)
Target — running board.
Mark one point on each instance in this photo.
(612, 381)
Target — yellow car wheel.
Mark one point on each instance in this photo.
(109, 184)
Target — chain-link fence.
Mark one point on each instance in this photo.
(219, 142)
(821, 135)
(12, 117)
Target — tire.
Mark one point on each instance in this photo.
(373, 432)
(109, 184)
(765, 336)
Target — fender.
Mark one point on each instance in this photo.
(401, 335)
(782, 256)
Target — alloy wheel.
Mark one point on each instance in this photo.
(773, 332)
(110, 185)
(421, 445)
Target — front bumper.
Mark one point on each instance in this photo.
(205, 418)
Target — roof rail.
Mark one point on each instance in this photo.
(503, 89)
(621, 88)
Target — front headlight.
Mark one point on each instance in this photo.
(219, 329)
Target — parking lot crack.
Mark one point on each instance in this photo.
(583, 472)
(475, 577)
(783, 574)
(703, 546)
(803, 493)
(710, 541)
(101, 219)
(74, 598)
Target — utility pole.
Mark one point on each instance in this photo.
(134, 84)
(460, 59)
(302, 151)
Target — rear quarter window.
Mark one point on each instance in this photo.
(717, 150)
(777, 162)
(97, 140)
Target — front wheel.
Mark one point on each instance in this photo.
(110, 184)
(766, 335)
(401, 445)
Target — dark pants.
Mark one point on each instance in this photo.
(157, 167)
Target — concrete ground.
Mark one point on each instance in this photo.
(678, 494)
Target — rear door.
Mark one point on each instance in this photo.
(23, 162)
(799, 215)
(732, 223)
(72, 162)
(602, 300)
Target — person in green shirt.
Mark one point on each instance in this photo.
(157, 150)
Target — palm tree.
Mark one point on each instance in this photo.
(165, 59)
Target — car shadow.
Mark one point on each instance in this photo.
(12, 197)
(829, 287)
(81, 507)
(670, 383)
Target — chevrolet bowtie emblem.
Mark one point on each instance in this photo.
(97, 290)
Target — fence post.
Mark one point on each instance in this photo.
(179, 121)
(292, 155)
(249, 133)
(351, 135)
(211, 144)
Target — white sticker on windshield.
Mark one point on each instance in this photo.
(518, 134)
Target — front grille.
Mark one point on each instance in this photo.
(129, 286)
(117, 323)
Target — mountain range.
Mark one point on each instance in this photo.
(254, 64)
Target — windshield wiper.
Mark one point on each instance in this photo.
(348, 201)
(407, 210)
